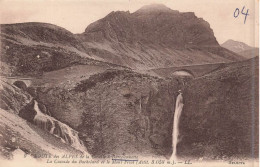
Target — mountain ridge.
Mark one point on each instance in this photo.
(156, 26)
(241, 48)
(155, 39)
(137, 40)
(236, 46)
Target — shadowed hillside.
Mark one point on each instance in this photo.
(220, 116)
(31, 49)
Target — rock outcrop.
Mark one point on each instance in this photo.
(122, 112)
(18, 107)
(12, 98)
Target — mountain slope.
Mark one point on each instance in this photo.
(39, 32)
(131, 113)
(154, 36)
(241, 48)
(34, 48)
(250, 53)
(236, 46)
(220, 115)
(151, 26)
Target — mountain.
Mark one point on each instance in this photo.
(152, 37)
(236, 46)
(90, 91)
(241, 48)
(155, 24)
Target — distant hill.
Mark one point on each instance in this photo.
(241, 48)
(35, 48)
(38, 32)
(236, 46)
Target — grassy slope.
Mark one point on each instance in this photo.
(31, 49)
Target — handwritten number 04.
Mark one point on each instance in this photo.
(237, 12)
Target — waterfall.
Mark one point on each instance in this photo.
(175, 133)
(58, 129)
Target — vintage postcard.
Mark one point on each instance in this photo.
(155, 83)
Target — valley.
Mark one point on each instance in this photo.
(112, 90)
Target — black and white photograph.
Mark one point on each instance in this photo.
(155, 83)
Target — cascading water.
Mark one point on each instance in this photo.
(175, 133)
(58, 129)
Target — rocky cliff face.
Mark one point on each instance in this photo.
(155, 24)
(12, 98)
(124, 112)
(154, 36)
(121, 112)
(220, 116)
(28, 126)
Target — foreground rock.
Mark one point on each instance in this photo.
(29, 136)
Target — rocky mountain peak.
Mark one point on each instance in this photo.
(152, 24)
(154, 8)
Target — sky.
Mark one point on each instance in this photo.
(76, 15)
